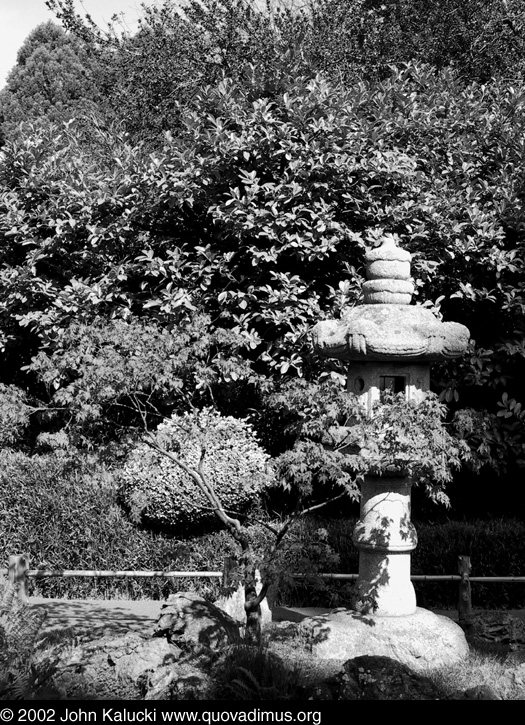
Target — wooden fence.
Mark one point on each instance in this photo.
(19, 573)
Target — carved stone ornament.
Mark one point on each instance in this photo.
(386, 326)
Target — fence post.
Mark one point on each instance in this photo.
(230, 563)
(465, 600)
(18, 566)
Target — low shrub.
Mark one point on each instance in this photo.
(249, 672)
(160, 492)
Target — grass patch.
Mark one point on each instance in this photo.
(482, 669)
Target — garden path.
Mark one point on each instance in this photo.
(122, 615)
(117, 615)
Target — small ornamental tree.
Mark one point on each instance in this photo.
(337, 443)
(125, 376)
(102, 379)
(129, 376)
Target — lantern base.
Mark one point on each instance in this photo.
(422, 640)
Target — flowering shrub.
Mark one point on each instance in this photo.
(159, 491)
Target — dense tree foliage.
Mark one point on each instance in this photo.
(155, 73)
(55, 77)
(252, 157)
(481, 39)
(259, 211)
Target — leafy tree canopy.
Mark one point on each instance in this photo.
(153, 75)
(54, 77)
(481, 39)
(256, 209)
(259, 210)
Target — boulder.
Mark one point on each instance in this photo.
(376, 678)
(421, 641)
(192, 623)
(497, 632)
(111, 667)
(512, 682)
(480, 692)
(515, 658)
(180, 681)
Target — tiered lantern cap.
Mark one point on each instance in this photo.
(386, 326)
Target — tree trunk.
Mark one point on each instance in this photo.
(252, 604)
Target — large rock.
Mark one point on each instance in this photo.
(479, 692)
(180, 681)
(497, 632)
(376, 678)
(421, 641)
(191, 622)
(111, 667)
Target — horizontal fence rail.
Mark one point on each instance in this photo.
(19, 573)
(42, 573)
(425, 577)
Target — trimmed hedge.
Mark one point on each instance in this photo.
(496, 548)
(160, 493)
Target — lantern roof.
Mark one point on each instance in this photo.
(386, 326)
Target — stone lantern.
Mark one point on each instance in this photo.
(389, 344)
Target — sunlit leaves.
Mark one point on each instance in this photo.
(122, 374)
(337, 443)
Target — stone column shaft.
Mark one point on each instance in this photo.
(385, 537)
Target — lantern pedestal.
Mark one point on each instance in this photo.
(385, 537)
(384, 620)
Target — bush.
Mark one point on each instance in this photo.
(158, 491)
(246, 672)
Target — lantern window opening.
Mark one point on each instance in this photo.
(395, 384)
